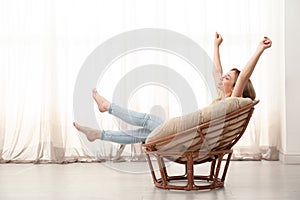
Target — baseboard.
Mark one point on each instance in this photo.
(289, 158)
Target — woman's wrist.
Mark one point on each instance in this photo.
(260, 49)
(216, 46)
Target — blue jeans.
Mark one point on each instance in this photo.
(147, 122)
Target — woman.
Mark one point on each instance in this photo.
(235, 83)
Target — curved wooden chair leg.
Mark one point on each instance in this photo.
(226, 167)
(151, 168)
(190, 172)
(212, 169)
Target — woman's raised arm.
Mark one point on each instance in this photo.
(249, 67)
(217, 69)
(217, 61)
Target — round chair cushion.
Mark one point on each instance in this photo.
(210, 112)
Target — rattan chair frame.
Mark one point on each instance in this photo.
(214, 156)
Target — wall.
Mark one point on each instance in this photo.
(290, 153)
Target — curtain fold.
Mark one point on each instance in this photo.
(36, 113)
(43, 45)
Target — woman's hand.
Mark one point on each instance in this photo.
(265, 43)
(218, 39)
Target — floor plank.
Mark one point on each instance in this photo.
(131, 180)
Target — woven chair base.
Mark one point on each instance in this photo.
(212, 185)
(208, 182)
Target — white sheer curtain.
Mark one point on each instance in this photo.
(44, 44)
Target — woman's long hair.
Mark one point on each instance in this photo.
(249, 91)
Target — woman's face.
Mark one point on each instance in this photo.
(228, 81)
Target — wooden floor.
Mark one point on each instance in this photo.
(131, 180)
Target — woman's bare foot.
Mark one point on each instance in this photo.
(91, 134)
(103, 104)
